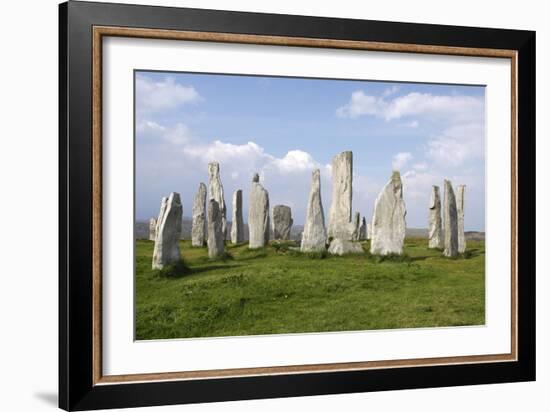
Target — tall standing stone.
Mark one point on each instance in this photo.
(363, 229)
(163, 203)
(356, 226)
(237, 226)
(282, 222)
(215, 190)
(152, 229)
(435, 237)
(339, 220)
(314, 236)
(369, 231)
(215, 230)
(388, 221)
(258, 215)
(460, 218)
(451, 224)
(198, 229)
(167, 249)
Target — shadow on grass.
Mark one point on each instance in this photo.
(419, 258)
(250, 254)
(202, 269)
(472, 253)
(173, 270)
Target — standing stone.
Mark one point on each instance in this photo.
(369, 231)
(167, 248)
(237, 225)
(215, 230)
(215, 190)
(152, 229)
(258, 215)
(363, 229)
(356, 225)
(344, 247)
(451, 224)
(460, 218)
(388, 221)
(163, 203)
(314, 236)
(282, 222)
(340, 224)
(198, 230)
(435, 237)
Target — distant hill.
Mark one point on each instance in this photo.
(142, 231)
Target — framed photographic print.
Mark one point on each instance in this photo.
(256, 205)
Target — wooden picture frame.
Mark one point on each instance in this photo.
(82, 385)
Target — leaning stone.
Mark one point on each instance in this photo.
(167, 249)
(314, 236)
(215, 189)
(460, 218)
(282, 222)
(363, 229)
(215, 232)
(388, 221)
(340, 224)
(237, 225)
(435, 237)
(152, 229)
(258, 215)
(451, 224)
(343, 247)
(198, 229)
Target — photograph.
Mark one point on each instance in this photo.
(285, 204)
(282, 205)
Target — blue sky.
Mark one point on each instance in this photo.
(283, 128)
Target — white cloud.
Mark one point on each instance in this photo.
(390, 91)
(178, 134)
(413, 124)
(420, 166)
(294, 161)
(248, 154)
(457, 144)
(361, 104)
(400, 160)
(457, 108)
(155, 96)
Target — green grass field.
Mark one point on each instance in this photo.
(276, 290)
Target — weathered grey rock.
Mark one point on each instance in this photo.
(314, 236)
(356, 226)
(343, 247)
(152, 229)
(167, 249)
(451, 224)
(258, 215)
(237, 226)
(215, 190)
(215, 230)
(163, 203)
(339, 220)
(198, 228)
(369, 231)
(435, 235)
(388, 221)
(282, 222)
(363, 229)
(460, 218)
